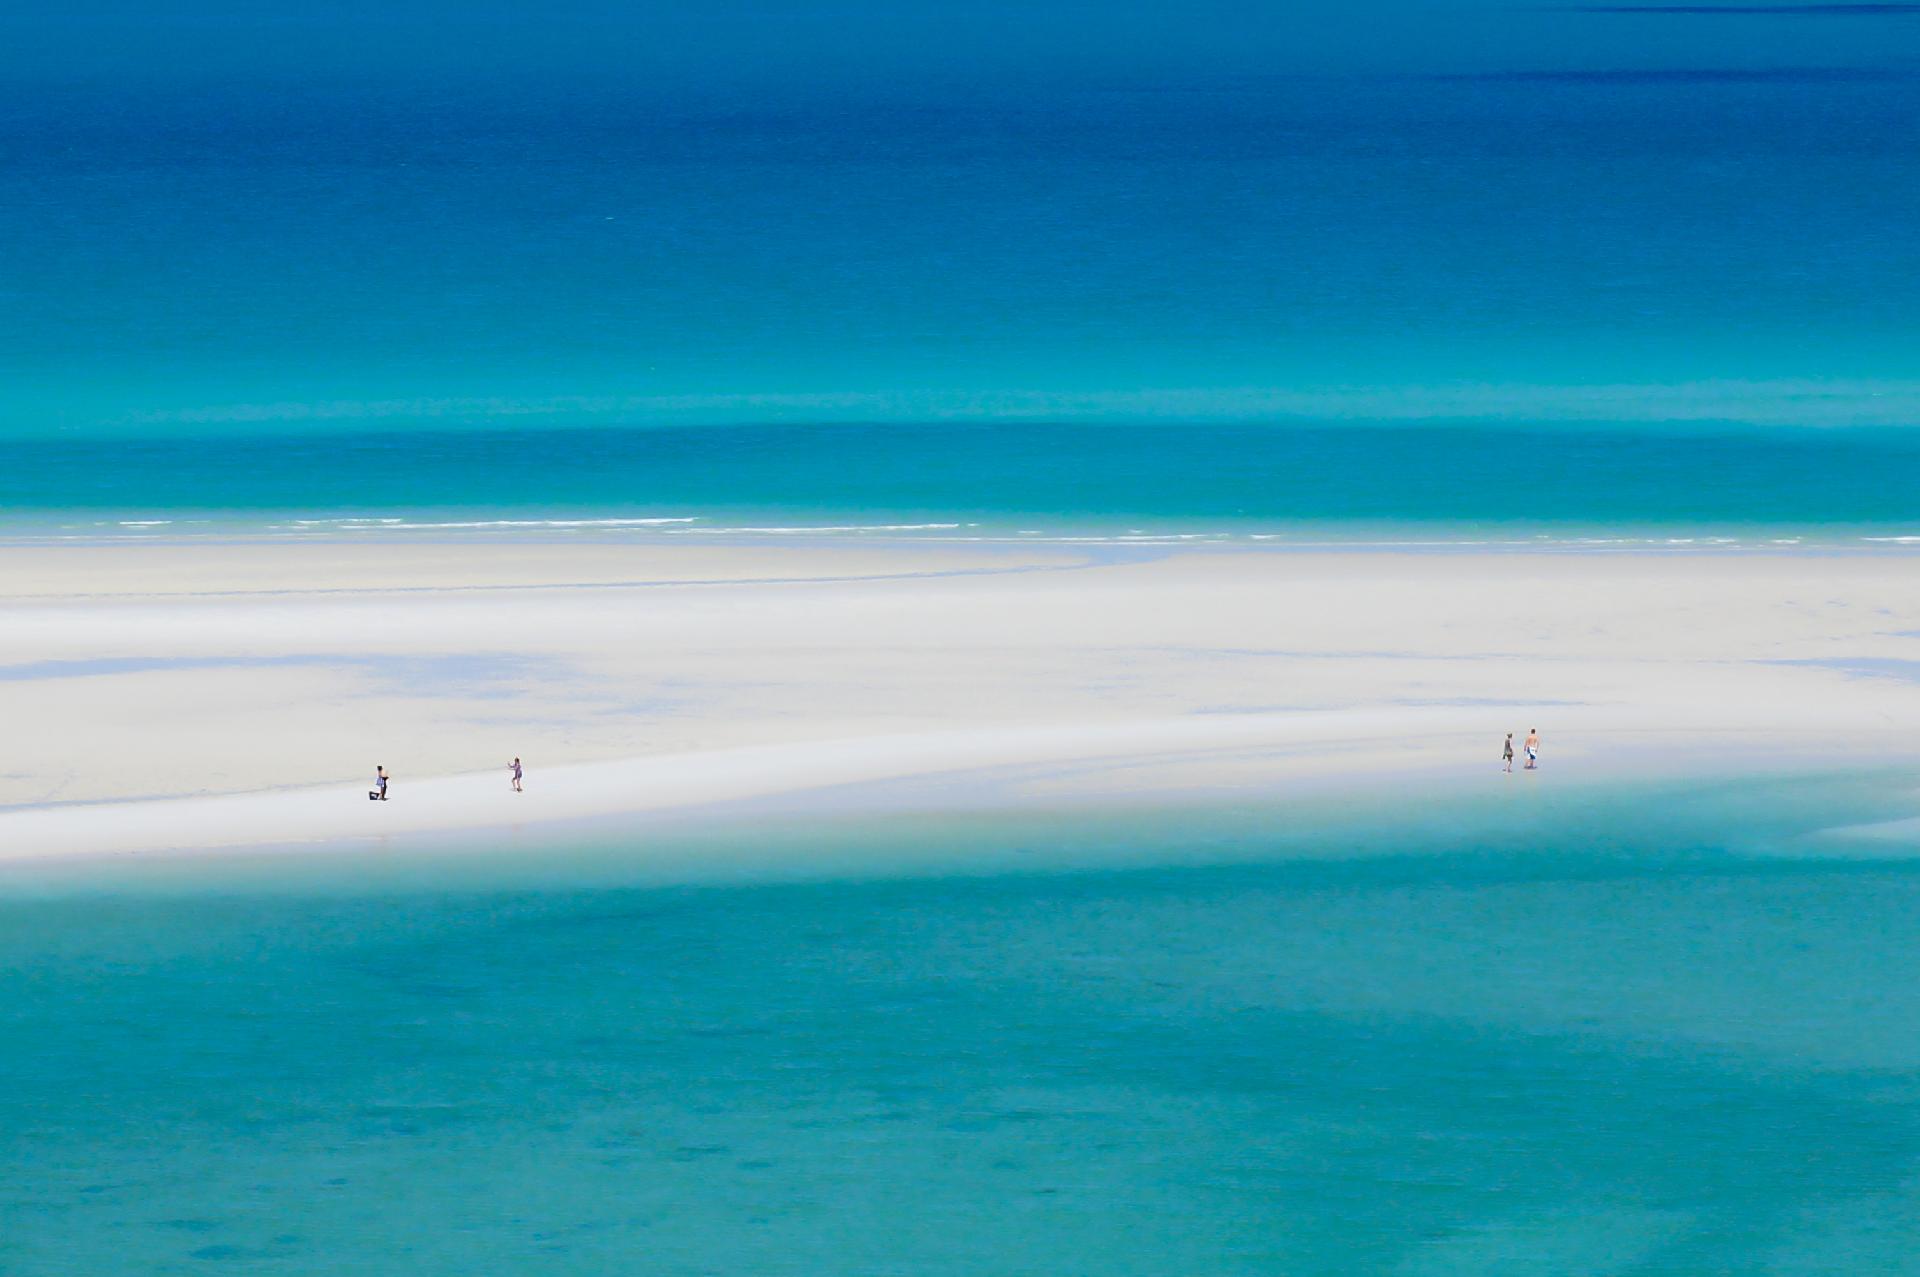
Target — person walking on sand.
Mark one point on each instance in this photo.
(379, 790)
(514, 767)
(1506, 752)
(1533, 748)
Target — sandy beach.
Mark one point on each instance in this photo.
(182, 695)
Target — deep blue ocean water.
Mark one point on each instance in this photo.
(1567, 1031)
(232, 217)
(1573, 267)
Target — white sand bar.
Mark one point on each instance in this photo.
(201, 694)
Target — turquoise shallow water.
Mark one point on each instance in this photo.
(1654, 1031)
(1300, 481)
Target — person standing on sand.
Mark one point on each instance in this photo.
(379, 784)
(1506, 752)
(1533, 748)
(514, 767)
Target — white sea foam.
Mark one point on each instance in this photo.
(802, 530)
(1073, 533)
(542, 523)
(429, 525)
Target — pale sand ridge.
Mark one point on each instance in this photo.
(189, 695)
